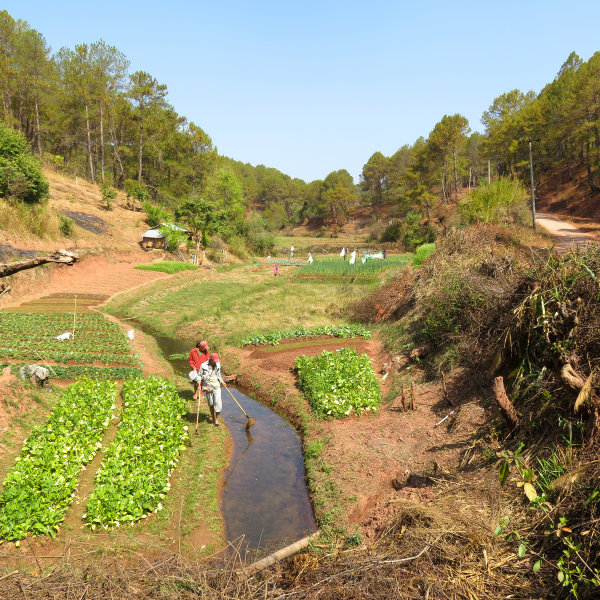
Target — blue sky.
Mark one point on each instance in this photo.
(315, 86)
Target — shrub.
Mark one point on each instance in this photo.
(262, 243)
(499, 201)
(155, 215)
(422, 253)
(136, 190)
(391, 233)
(237, 246)
(20, 172)
(108, 195)
(66, 226)
(173, 237)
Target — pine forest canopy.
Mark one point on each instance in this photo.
(81, 110)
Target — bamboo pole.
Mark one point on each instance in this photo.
(413, 400)
(403, 398)
(74, 317)
(279, 555)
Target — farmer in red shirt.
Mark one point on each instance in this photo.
(198, 354)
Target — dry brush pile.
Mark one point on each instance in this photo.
(497, 307)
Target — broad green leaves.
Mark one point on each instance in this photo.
(340, 331)
(40, 487)
(338, 384)
(134, 475)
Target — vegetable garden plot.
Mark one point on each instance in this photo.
(338, 384)
(343, 267)
(134, 475)
(340, 331)
(32, 337)
(40, 487)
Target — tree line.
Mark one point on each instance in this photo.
(81, 110)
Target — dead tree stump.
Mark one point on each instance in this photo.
(506, 406)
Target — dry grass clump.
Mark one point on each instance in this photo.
(464, 285)
(26, 220)
(426, 551)
(387, 302)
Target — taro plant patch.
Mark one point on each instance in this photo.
(338, 384)
(134, 475)
(41, 486)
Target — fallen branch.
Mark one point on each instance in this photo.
(506, 406)
(364, 568)
(61, 256)
(279, 555)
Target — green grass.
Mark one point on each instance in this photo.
(343, 267)
(238, 304)
(168, 266)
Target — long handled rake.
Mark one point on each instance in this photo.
(250, 421)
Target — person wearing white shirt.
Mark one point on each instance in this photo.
(210, 374)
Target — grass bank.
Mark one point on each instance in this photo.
(236, 304)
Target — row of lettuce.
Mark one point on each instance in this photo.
(133, 477)
(91, 340)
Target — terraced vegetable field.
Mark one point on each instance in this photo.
(133, 477)
(40, 488)
(98, 343)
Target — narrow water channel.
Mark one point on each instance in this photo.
(265, 500)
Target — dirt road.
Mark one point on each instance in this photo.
(567, 234)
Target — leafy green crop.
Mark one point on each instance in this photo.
(343, 267)
(40, 487)
(168, 266)
(84, 371)
(134, 475)
(338, 384)
(33, 336)
(340, 331)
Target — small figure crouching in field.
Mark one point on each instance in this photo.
(210, 373)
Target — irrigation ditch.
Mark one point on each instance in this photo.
(264, 498)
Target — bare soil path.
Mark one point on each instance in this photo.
(568, 234)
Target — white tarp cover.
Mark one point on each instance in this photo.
(153, 233)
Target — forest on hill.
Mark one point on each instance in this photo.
(83, 112)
